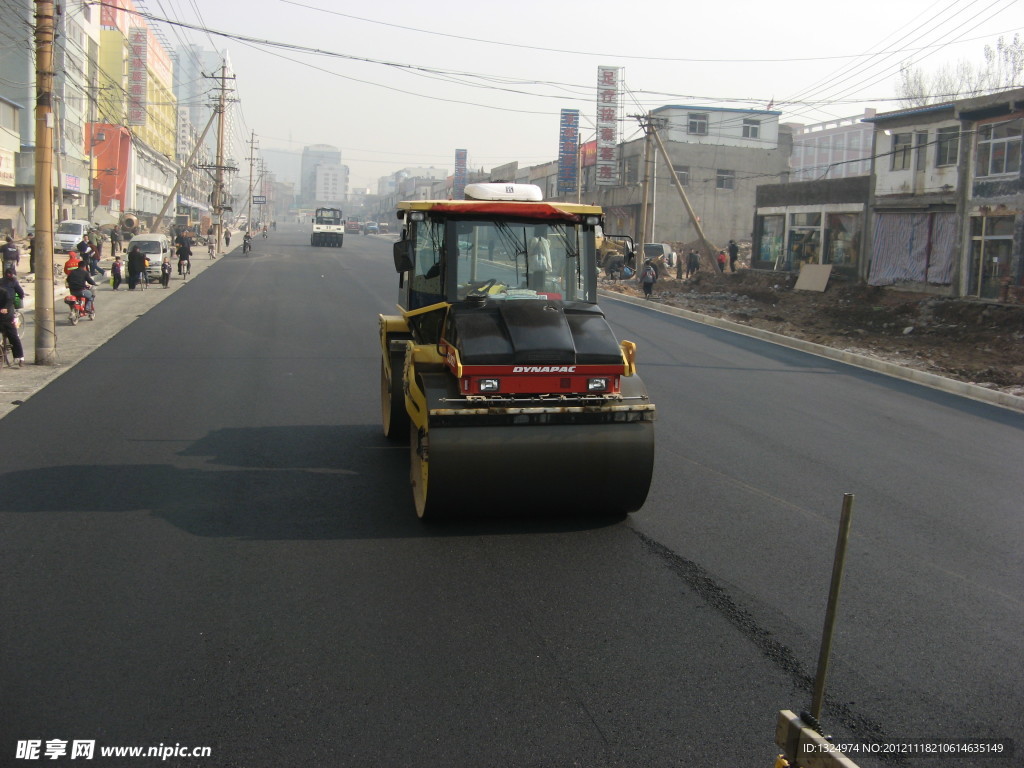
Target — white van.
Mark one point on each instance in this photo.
(69, 234)
(155, 247)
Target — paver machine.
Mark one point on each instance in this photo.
(500, 369)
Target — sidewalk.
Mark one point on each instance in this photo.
(114, 311)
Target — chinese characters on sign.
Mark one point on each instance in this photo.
(138, 54)
(568, 148)
(607, 125)
(459, 181)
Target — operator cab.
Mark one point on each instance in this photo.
(500, 244)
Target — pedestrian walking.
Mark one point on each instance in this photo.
(692, 263)
(11, 255)
(165, 272)
(136, 267)
(115, 241)
(227, 237)
(734, 252)
(32, 253)
(96, 246)
(648, 277)
(116, 272)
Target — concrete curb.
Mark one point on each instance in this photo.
(114, 311)
(961, 388)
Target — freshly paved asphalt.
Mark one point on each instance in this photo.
(207, 542)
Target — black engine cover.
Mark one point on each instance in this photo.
(532, 332)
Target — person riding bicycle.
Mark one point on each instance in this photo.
(77, 280)
(184, 257)
(9, 282)
(8, 317)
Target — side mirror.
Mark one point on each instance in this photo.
(403, 256)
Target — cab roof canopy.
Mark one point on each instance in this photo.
(520, 200)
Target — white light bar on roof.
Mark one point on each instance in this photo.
(526, 193)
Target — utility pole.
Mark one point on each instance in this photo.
(184, 169)
(43, 244)
(219, 167)
(644, 215)
(709, 249)
(252, 161)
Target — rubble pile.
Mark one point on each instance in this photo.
(969, 340)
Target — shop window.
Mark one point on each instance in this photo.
(772, 237)
(999, 146)
(842, 239)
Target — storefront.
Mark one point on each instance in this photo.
(785, 239)
(814, 222)
(991, 255)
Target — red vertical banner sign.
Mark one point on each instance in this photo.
(138, 76)
(608, 115)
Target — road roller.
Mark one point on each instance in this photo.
(501, 371)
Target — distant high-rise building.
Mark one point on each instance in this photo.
(197, 72)
(323, 178)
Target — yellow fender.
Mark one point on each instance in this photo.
(628, 357)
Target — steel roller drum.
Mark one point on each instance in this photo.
(604, 469)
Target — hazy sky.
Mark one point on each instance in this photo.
(405, 82)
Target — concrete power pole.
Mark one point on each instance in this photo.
(252, 161)
(645, 215)
(46, 337)
(218, 186)
(177, 182)
(709, 249)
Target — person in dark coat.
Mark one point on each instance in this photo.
(11, 255)
(692, 263)
(734, 252)
(136, 267)
(8, 326)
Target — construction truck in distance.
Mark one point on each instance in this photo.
(328, 228)
(501, 371)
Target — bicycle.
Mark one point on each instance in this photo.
(211, 247)
(185, 268)
(8, 352)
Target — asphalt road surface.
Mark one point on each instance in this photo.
(206, 542)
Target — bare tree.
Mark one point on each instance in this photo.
(1003, 68)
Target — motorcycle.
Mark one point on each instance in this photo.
(76, 309)
(246, 245)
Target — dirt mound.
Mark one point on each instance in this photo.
(974, 341)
